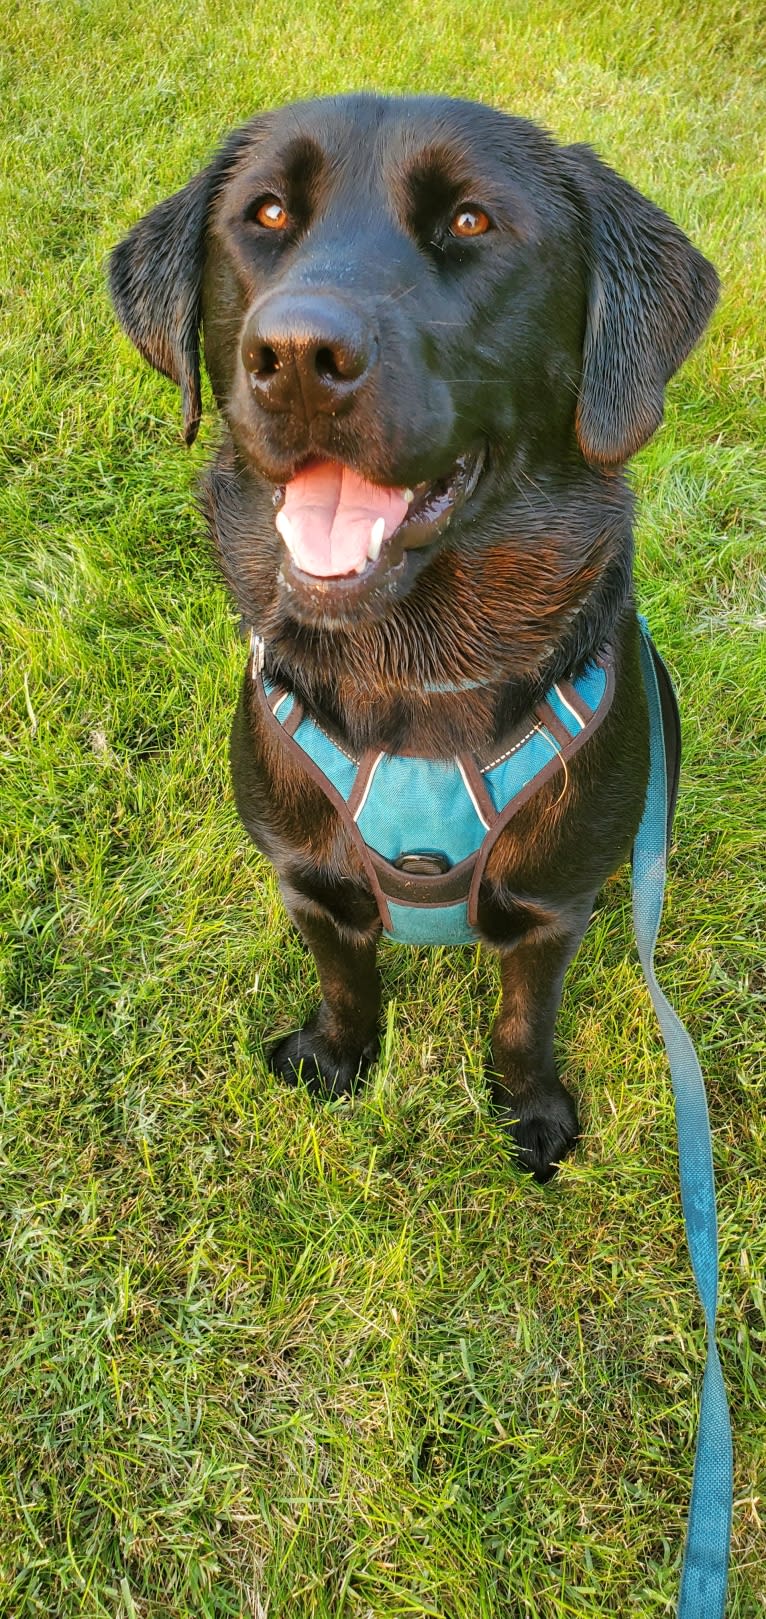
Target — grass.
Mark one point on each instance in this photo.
(262, 1358)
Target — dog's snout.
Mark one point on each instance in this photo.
(308, 353)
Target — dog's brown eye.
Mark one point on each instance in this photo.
(271, 214)
(470, 222)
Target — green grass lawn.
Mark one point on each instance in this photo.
(264, 1358)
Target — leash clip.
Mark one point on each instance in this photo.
(257, 653)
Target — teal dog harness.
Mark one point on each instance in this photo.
(424, 827)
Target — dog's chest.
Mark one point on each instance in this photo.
(424, 828)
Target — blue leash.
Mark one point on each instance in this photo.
(706, 1556)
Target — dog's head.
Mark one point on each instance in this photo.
(406, 305)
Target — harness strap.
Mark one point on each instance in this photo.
(706, 1556)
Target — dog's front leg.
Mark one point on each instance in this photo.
(527, 1092)
(341, 1039)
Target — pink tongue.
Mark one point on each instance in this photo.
(330, 514)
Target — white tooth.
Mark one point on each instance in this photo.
(376, 538)
(360, 566)
(285, 528)
(408, 495)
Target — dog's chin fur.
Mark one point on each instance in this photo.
(550, 340)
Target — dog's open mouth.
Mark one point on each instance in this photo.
(343, 535)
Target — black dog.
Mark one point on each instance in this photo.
(435, 338)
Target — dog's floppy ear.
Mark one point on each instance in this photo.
(155, 278)
(650, 296)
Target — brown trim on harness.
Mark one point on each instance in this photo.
(411, 888)
(361, 779)
(290, 725)
(549, 721)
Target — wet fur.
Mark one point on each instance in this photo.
(552, 344)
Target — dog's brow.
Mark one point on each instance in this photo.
(439, 163)
(302, 160)
(293, 170)
(438, 173)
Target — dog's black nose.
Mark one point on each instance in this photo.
(307, 352)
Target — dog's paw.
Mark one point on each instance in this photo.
(543, 1127)
(306, 1055)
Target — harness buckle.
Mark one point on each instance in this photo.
(257, 653)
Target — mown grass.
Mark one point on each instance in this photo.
(260, 1357)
